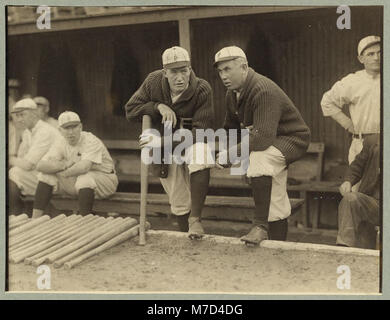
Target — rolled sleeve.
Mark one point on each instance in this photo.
(333, 100)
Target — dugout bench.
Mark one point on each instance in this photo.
(234, 208)
(311, 190)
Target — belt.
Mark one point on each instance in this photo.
(363, 135)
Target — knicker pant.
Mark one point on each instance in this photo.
(103, 184)
(177, 183)
(27, 181)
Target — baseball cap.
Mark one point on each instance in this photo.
(13, 83)
(175, 57)
(41, 101)
(229, 53)
(367, 42)
(24, 104)
(68, 118)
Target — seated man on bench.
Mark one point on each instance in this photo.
(78, 164)
(361, 206)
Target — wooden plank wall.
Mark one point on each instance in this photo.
(93, 72)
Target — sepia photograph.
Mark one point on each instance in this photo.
(194, 150)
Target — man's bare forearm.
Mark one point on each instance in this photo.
(78, 168)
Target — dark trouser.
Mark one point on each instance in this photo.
(15, 204)
(355, 208)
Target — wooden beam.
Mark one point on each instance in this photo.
(139, 16)
(185, 34)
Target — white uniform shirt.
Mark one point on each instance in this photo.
(361, 92)
(37, 142)
(89, 148)
(53, 122)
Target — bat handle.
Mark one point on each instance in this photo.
(146, 124)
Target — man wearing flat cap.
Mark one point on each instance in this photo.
(78, 164)
(37, 138)
(43, 109)
(360, 91)
(169, 96)
(278, 136)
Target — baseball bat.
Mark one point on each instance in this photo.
(63, 230)
(19, 217)
(77, 232)
(28, 225)
(18, 223)
(40, 229)
(146, 124)
(78, 243)
(30, 251)
(125, 225)
(52, 231)
(107, 245)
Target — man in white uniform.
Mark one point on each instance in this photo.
(43, 109)
(37, 138)
(78, 164)
(361, 92)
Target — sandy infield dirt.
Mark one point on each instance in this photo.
(171, 264)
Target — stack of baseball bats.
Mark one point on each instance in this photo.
(65, 240)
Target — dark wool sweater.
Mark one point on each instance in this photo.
(275, 119)
(196, 101)
(366, 167)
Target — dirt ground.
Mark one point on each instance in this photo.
(170, 264)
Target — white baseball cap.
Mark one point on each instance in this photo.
(24, 104)
(68, 118)
(175, 57)
(229, 53)
(367, 42)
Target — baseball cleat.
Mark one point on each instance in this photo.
(195, 231)
(255, 236)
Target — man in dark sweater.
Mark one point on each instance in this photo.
(277, 136)
(361, 206)
(169, 96)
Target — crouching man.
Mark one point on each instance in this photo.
(78, 164)
(169, 96)
(361, 206)
(37, 138)
(278, 136)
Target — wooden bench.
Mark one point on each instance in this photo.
(216, 207)
(307, 190)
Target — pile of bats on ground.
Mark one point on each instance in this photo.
(65, 240)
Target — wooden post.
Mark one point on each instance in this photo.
(185, 35)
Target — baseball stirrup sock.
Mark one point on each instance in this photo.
(261, 189)
(86, 197)
(199, 182)
(15, 204)
(277, 230)
(183, 222)
(42, 195)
